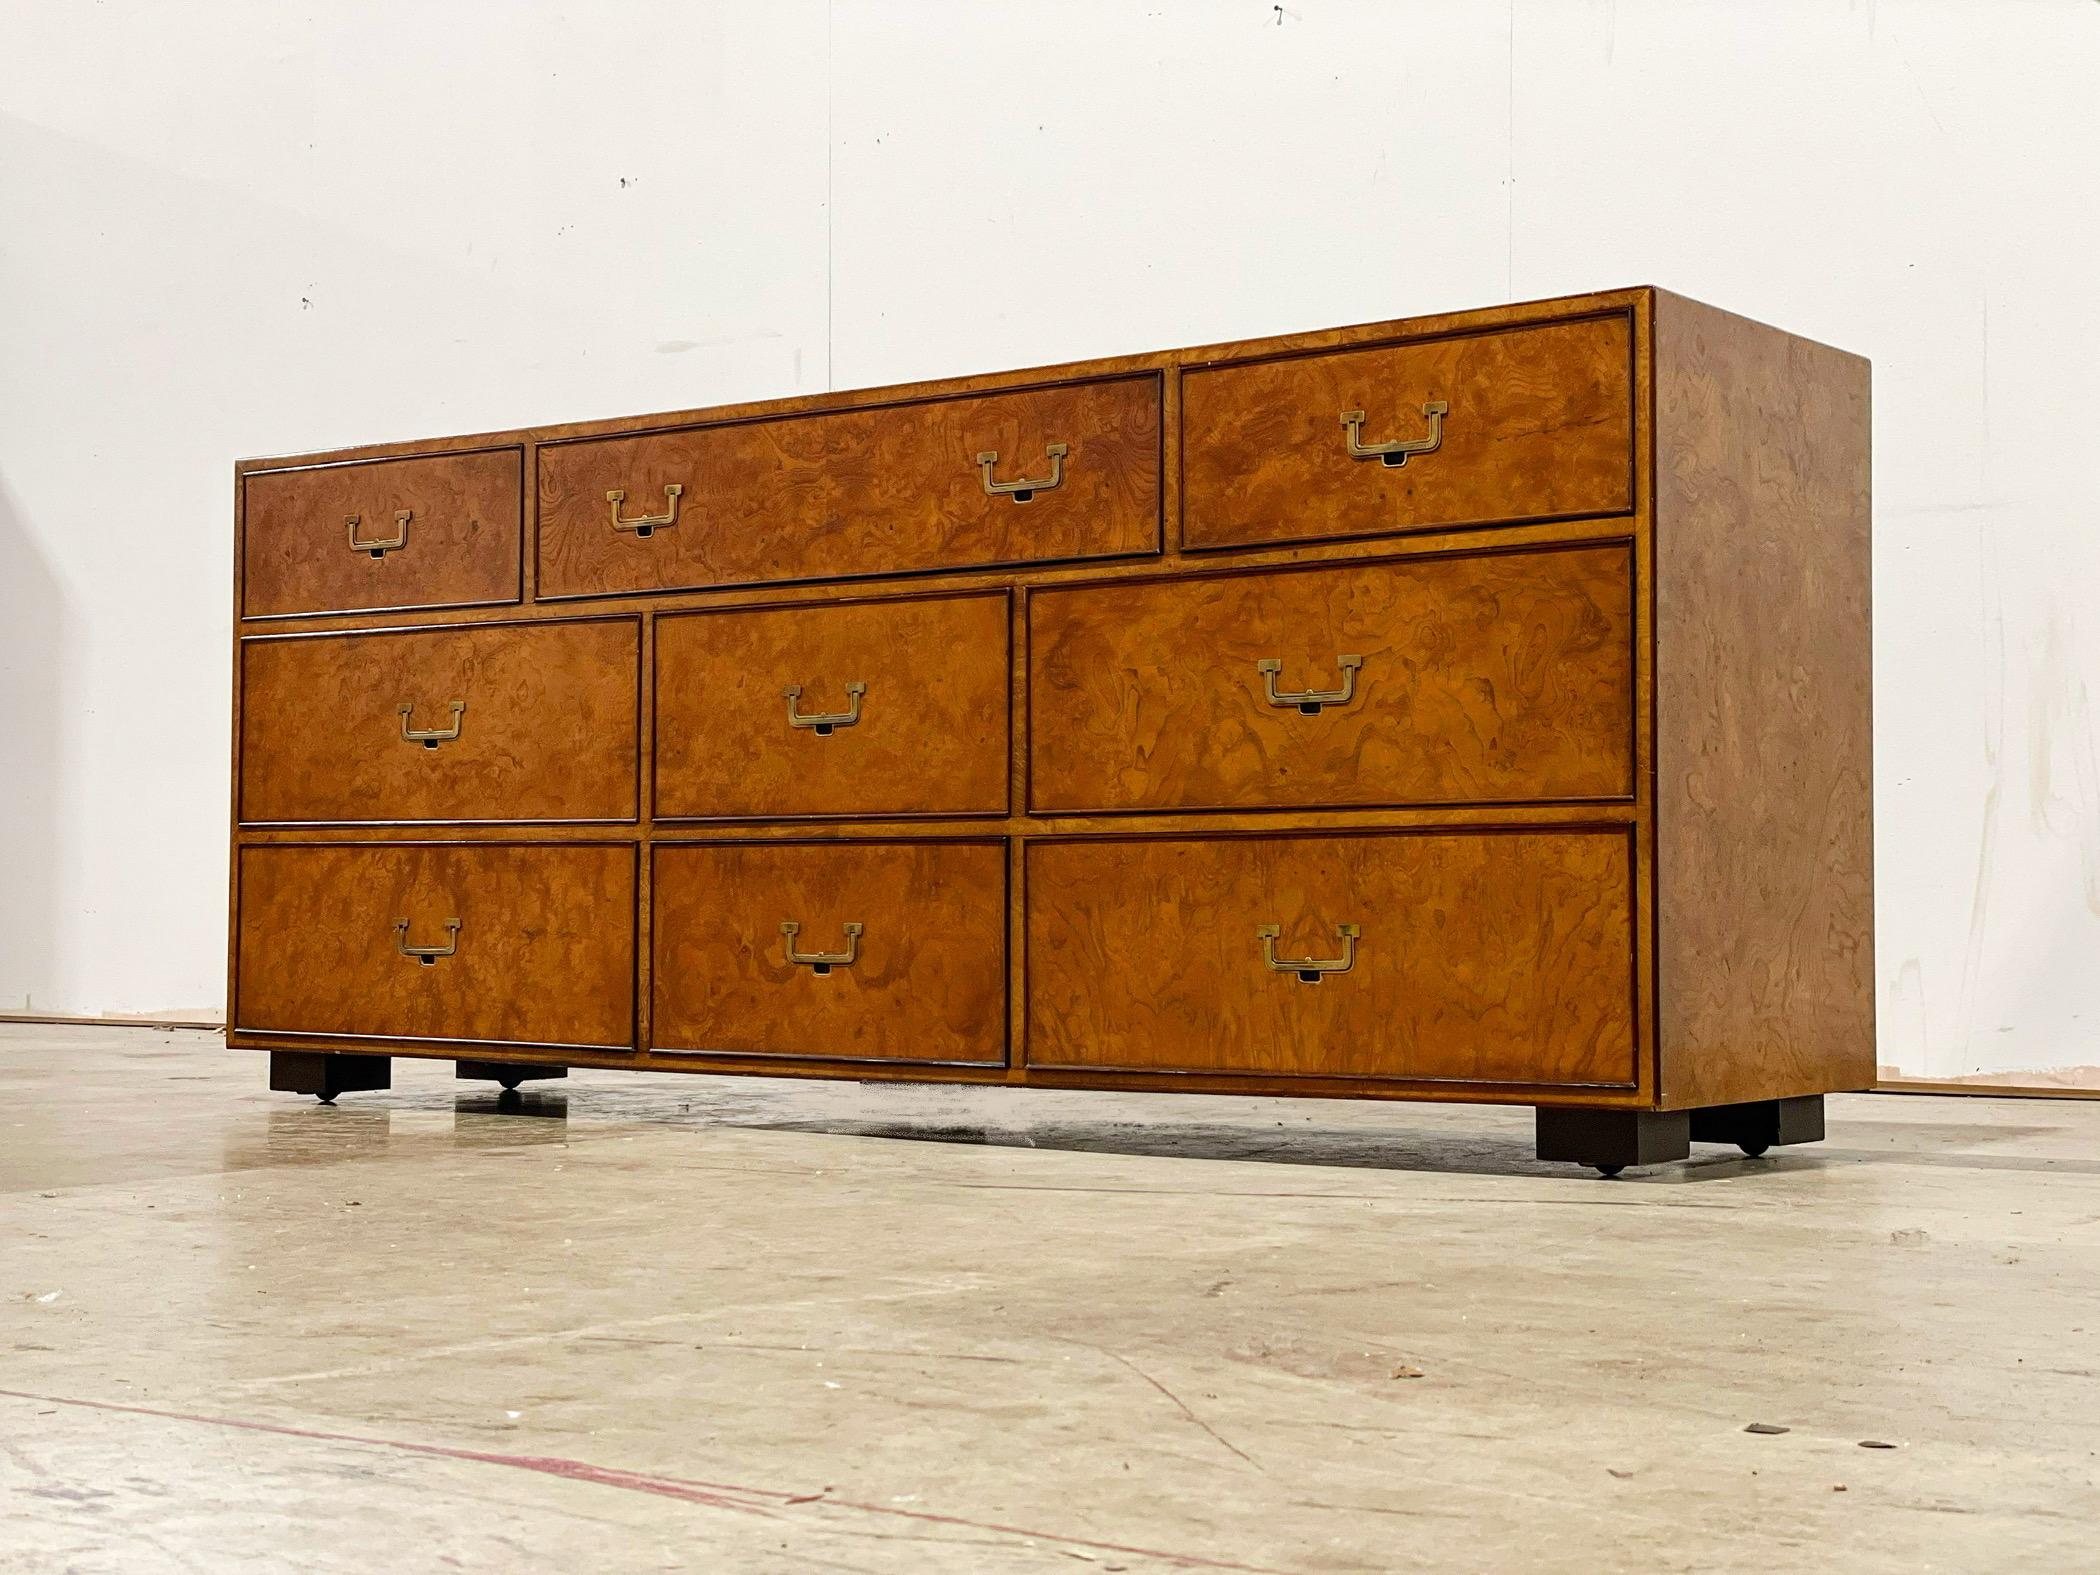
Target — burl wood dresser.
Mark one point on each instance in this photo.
(1470, 707)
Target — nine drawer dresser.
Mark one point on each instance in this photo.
(1472, 707)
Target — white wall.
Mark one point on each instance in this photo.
(234, 228)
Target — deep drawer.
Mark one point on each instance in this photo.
(890, 490)
(1479, 956)
(491, 722)
(437, 531)
(1528, 424)
(902, 949)
(1491, 678)
(537, 942)
(872, 709)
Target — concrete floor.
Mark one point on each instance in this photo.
(674, 1323)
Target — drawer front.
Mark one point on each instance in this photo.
(442, 531)
(923, 979)
(543, 952)
(872, 709)
(1495, 678)
(497, 722)
(892, 490)
(1490, 957)
(1535, 423)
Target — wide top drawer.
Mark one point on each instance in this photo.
(1516, 424)
(439, 530)
(1025, 476)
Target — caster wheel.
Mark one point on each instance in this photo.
(1610, 1172)
(510, 1084)
(326, 1099)
(1754, 1150)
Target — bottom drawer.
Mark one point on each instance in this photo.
(898, 951)
(1476, 956)
(496, 943)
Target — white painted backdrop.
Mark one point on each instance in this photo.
(235, 228)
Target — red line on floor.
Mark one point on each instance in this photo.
(717, 1495)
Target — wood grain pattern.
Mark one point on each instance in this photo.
(1484, 957)
(549, 730)
(463, 537)
(929, 983)
(931, 738)
(1489, 678)
(857, 493)
(545, 947)
(1764, 712)
(829, 489)
(1540, 426)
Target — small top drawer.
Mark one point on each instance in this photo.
(1449, 678)
(1518, 424)
(442, 530)
(1030, 476)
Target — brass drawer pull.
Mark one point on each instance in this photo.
(431, 737)
(426, 955)
(822, 723)
(1310, 970)
(379, 549)
(1395, 454)
(1309, 701)
(644, 524)
(821, 963)
(1021, 491)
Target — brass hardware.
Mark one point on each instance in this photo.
(1395, 454)
(1310, 970)
(821, 963)
(1021, 491)
(644, 524)
(822, 723)
(1309, 701)
(379, 549)
(431, 737)
(426, 955)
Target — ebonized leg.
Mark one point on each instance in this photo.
(509, 1073)
(1761, 1124)
(324, 1075)
(1613, 1139)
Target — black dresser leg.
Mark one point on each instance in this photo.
(509, 1073)
(325, 1076)
(1761, 1124)
(1613, 1139)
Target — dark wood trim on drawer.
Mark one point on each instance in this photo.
(864, 491)
(1133, 683)
(1173, 936)
(935, 728)
(539, 735)
(326, 945)
(295, 555)
(930, 912)
(1264, 458)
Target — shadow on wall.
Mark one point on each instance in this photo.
(32, 642)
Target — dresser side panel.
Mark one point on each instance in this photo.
(1763, 712)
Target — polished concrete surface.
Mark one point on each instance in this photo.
(678, 1323)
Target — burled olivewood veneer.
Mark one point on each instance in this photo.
(1466, 707)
